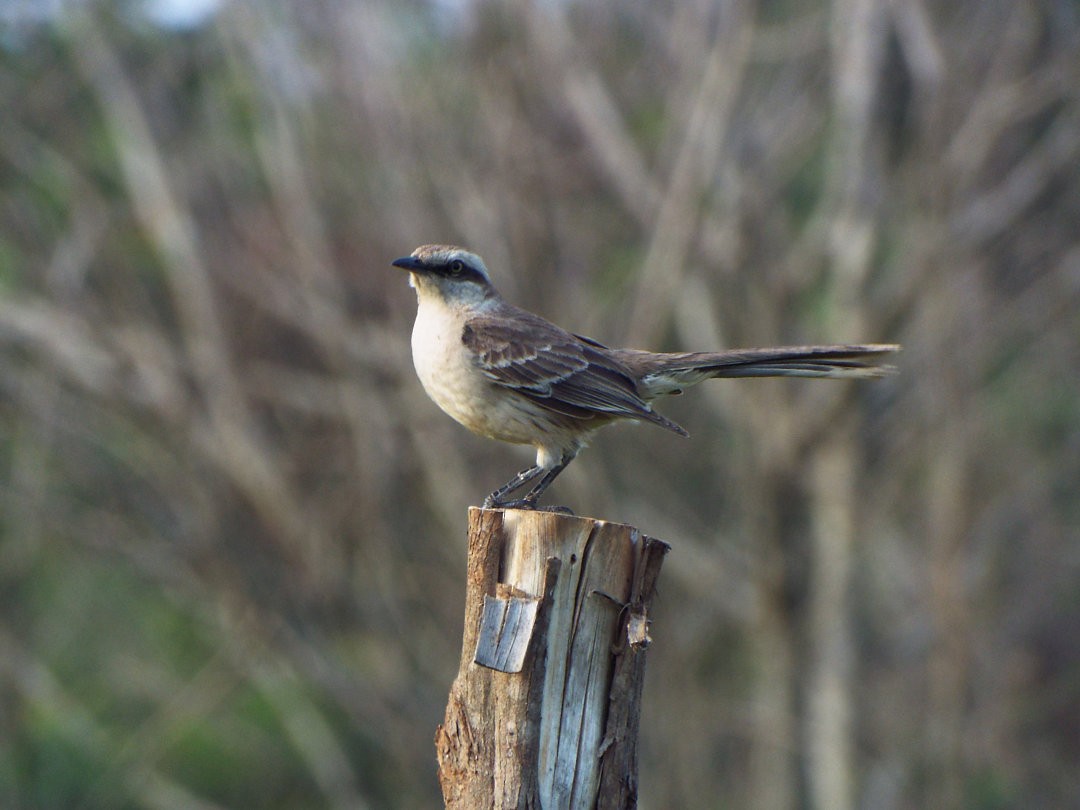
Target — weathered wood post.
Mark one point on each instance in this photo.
(545, 709)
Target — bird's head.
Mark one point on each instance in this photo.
(451, 273)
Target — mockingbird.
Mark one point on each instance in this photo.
(508, 374)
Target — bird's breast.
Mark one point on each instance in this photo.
(451, 377)
(446, 368)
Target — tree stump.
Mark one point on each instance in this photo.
(545, 709)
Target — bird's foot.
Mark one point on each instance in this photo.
(527, 504)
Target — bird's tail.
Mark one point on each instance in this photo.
(669, 373)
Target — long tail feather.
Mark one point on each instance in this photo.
(668, 373)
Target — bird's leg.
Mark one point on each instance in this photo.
(529, 501)
(495, 499)
(545, 482)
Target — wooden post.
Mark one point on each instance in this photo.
(545, 709)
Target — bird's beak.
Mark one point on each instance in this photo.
(410, 263)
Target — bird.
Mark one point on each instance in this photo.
(508, 374)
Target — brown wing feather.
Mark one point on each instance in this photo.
(555, 369)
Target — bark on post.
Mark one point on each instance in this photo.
(545, 708)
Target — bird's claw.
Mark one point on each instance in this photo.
(525, 504)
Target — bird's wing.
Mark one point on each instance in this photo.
(554, 369)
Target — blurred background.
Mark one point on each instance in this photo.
(232, 525)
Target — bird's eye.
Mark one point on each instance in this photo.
(457, 267)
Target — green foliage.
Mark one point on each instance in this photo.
(50, 770)
(806, 185)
